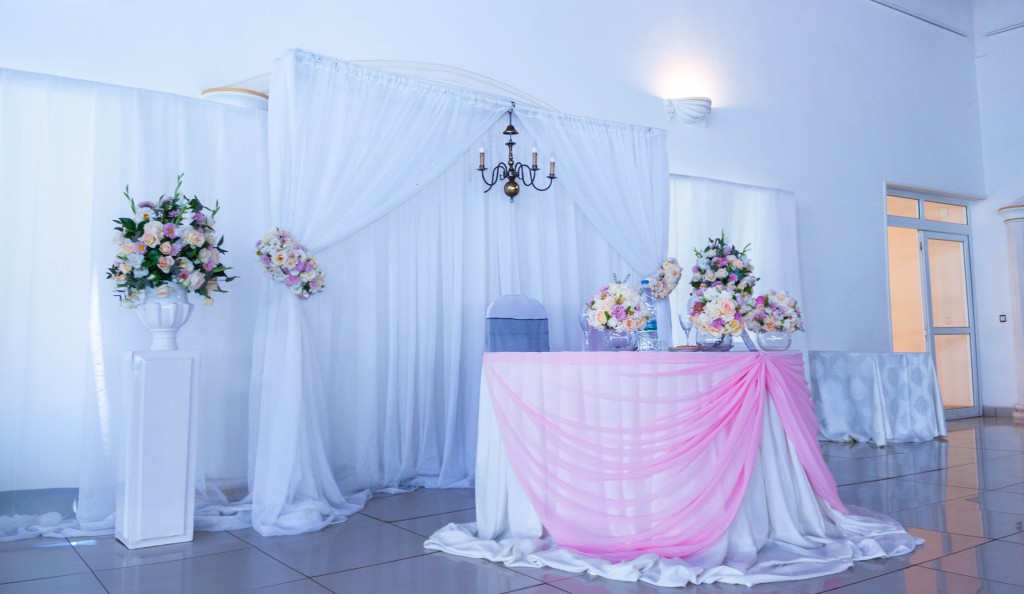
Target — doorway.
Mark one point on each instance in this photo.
(930, 297)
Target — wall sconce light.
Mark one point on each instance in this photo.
(691, 110)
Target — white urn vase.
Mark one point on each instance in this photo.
(163, 311)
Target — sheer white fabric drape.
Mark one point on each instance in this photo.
(67, 150)
(365, 386)
(371, 385)
(765, 218)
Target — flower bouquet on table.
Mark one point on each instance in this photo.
(166, 244)
(619, 310)
(722, 265)
(290, 263)
(665, 280)
(717, 315)
(774, 316)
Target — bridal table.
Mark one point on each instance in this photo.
(668, 468)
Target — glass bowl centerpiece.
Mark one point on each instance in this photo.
(619, 311)
(774, 317)
(717, 316)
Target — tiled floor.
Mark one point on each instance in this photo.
(963, 495)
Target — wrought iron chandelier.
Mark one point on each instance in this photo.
(514, 171)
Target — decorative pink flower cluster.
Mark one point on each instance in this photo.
(170, 241)
(617, 307)
(775, 311)
(722, 265)
(717, 312)
(290, 263)
(664, 281)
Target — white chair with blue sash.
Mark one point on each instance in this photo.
(516, 323)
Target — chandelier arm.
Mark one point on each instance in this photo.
(551, 180)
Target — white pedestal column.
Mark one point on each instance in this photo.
(1013, 216)
(157, 462)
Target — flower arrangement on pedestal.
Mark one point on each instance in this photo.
(290, 263)
(722, 265)
(617, 308)
(166, 243)
(665, 280)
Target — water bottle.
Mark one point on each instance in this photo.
(647, 339)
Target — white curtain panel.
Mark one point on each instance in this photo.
(67, 150)
(365, 386)
(764, 218)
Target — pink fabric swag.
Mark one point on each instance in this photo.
(624, 454)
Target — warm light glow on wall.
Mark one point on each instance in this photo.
(687, 78)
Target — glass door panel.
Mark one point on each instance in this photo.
(947, 265)
(948, 279)
(906, 302)
(953, 366)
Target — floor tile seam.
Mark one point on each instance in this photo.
(324, 586)
(242, 548)
(424, 516)
(933, 559)
(254, 548)
(89, 567)
(525, 588)
(320, 575)
(978, 577)
(319, 534)
(411, 531)
(50, 577)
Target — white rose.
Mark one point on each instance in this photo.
(165, 248)
(149, 239)
(155, 229)
(185, 264)
(195, 280)
(204, 255)
(195, 238)
(721, 273)
(162, 291)
(297, 288)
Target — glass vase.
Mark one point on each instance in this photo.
(619, 341)
(709, 342)
(773, 340)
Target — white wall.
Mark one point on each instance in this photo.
(1000, 62)
(828, 99)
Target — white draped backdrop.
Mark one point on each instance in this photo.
(368, 386)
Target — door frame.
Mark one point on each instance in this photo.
(960, 232)
(971, 328)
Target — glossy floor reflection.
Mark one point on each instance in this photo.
(964, 495)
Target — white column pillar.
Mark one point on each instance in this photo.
(157, 462)
(1013, 216)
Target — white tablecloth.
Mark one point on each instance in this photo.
(783, 531)
(876, 397)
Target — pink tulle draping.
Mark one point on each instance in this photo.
(624, 454)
